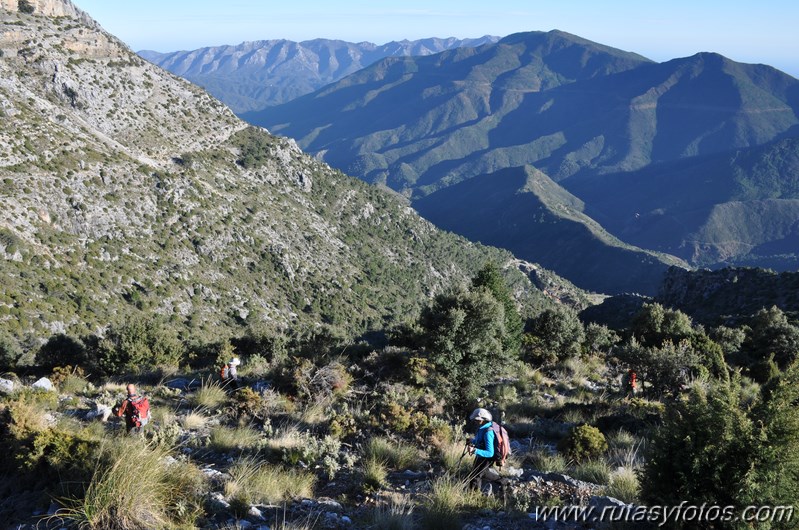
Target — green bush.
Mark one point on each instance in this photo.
(25, 7)
(719, 447)
(584, 442)
(62, 350)
(10, 352)
(139, 343)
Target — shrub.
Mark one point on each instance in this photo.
(584, 442)
(10, 352)
(62, 350)
(702, 450)
(25, 7)
(71, 380)
(139, 343)
(248, 403)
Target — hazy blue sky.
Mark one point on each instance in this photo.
(749, 31)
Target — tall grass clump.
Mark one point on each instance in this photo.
(449, 496)
(453, 459)
(544, 460)
(225, 439)
(258, 482)
(193, 420)
(595, 471)
(133, 487)
(210, 395)
(375, 474)
(395, 455)
(394, 514)
(624, 485)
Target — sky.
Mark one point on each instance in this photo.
(747, 31)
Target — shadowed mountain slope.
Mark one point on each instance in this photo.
(740, 206)
(523, 210)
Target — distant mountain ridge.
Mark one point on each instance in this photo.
(602, 123)
(253, 75)
(421, 123)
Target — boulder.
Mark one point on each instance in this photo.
(6, 386)
(100, 413)
(43, 384)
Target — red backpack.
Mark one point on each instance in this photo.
(224, 372)
(501, 444)
(140, 410)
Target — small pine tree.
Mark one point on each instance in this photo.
(25, 7)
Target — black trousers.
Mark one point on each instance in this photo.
(476, 475)
(483, 472)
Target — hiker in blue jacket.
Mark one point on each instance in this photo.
(482, 447)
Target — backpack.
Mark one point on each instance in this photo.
(141, 410)
(501, 444)
(224, 373)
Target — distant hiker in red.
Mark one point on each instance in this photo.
(630, 383)
(135, 409)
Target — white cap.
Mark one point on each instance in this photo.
(235, 361)
(480, 414)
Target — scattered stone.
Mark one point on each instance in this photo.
(182, 383)
(101, 413)
(346, 520)
(217, 502)
(330, 503)
(261, 386)
(256, 513)
(211, 473)
(514, 471)
(6, 386)
(43, 384)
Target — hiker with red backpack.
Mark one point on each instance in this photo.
(489, 446)
(230, 374)
(135, 409)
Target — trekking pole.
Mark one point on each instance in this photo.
(465, 450)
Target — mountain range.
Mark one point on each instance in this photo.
(692, 157)
(128, 191)
(254, 75)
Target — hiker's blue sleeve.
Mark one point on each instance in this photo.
(488, 452)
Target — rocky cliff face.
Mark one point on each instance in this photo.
(48, 8)
(127, 190)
